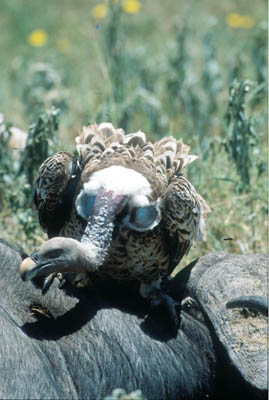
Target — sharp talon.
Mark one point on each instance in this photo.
(48, 282)
(62, 280)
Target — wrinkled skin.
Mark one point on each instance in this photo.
(76, 343)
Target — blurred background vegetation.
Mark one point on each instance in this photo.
(195, 70)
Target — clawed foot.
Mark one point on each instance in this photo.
(77, 280)
(50, 279)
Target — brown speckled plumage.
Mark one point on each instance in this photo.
(142, 255)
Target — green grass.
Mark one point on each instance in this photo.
(165, 70)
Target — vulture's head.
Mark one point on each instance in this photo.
(58, 255)
(121, 194)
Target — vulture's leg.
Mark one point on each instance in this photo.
(164, 311)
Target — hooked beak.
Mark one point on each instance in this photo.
(59, 254)
(27, 269)
(56, 255)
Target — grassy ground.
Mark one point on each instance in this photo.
(165, 69)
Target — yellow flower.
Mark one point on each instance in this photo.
(235, 20)
(99, 11)
(37, 38)
(131, 6)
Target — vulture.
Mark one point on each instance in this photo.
(123, 209)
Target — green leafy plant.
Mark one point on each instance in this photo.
(240, 146)
(43, 88)
(241, 134)
(17, 176)
(40, 143)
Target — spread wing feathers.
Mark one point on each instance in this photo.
(96, 142)
(183, 216)
(172, 156)
(54, 190)
(99, 141)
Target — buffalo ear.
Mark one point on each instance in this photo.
(54, 191)
(232, 291)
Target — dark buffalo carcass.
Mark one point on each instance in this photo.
(81, 344)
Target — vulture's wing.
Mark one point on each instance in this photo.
(54, 190)
(183, 208)
(183, 219)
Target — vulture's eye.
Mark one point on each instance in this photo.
(144, 218)
(55, 253)
(84, 205)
